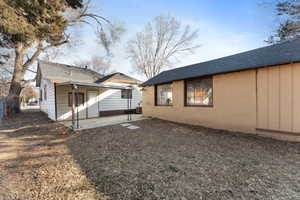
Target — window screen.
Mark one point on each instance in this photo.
(126, 94)
(164, 94)
(79, 99)
(199, 91)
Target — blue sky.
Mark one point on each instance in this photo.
(226, 27)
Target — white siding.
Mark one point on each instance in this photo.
(64, 111)
(48, 106)
(108, 99)
(111, 100)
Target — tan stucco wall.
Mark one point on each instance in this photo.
(279, 98)
(234, 104)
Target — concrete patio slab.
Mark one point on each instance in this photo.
(103, 121)
(132, 127)
(126, 124)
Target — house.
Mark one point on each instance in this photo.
(95, 95)
(257, 91)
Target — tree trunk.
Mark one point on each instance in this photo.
(18, 75)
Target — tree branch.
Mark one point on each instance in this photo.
(40, 48)
(6, 70)
(34, 57)
(31, 71)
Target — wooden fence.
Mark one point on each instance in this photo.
(9, 106)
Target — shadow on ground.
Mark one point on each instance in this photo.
(160, 160)
(36, 163)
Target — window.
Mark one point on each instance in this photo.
(126, 94)
(164, 94)
(45, 92)
(199, 92)
(79, 99)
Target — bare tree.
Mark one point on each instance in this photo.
(289, 27)
(96, 63)
(28, 93)
(115, 32)
(6, 69)
(160, 44)
(31, 28)
(6, 65)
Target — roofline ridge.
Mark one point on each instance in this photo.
(244, 52)
(285, 52)
(71, 66)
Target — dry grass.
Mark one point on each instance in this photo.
(161, 160)
(36, 164)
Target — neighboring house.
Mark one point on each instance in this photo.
(29, 91)
(256, 91)
(4, 87)
(95, 95)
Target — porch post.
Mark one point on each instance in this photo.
(73, 107)
(129, 97)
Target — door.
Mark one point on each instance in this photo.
(92, 104)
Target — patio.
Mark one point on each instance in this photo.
(103, 121)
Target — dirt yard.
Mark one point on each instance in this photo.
(160, 160)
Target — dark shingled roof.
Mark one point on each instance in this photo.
(117, 75)
(284, 53)
(104, 78)
(58, 73)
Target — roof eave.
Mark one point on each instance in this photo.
(99, 85)
(145, 84)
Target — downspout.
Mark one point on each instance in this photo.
(129, 103)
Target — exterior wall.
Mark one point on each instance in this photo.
(113, 101)
(64, 111)
(234, 102)
(108, 100)
(265, 101)
(279, 98)
(48, 105)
